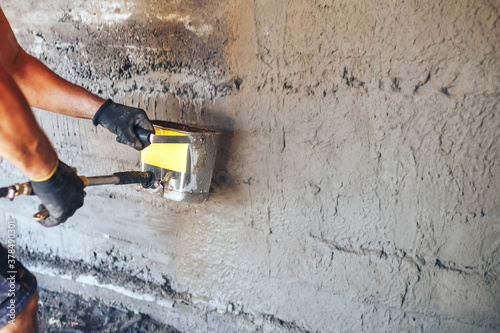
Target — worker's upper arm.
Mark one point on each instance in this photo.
(10, 48)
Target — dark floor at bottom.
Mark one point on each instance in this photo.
(70, 313)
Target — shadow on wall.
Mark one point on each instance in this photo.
(217, 120)
(221, 176)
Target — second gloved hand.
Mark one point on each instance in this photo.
(123, 121)
(62, 194)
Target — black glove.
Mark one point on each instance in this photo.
(62, 194)
(124, 121)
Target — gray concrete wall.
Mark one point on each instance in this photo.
(357, 186)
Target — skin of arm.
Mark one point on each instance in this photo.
(22, 141)
(43, 88)
(46, 90)
(25, 82)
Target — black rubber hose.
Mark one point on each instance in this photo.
(145, 178)
(4, 192)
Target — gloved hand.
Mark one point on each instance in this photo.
(62, 194)
(123, 121)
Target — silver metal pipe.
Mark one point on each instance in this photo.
(103, 180)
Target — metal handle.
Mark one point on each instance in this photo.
(41, 215)
(143, 135)
(146, 179)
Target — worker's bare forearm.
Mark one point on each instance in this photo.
(46, 90)
(41, 87)
(22, 141)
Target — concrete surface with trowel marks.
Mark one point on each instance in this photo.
(357, 186)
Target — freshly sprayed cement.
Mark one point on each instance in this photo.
(357, 185)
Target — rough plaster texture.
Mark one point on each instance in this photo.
(357, 186)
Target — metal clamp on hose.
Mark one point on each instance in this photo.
(14, 190)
